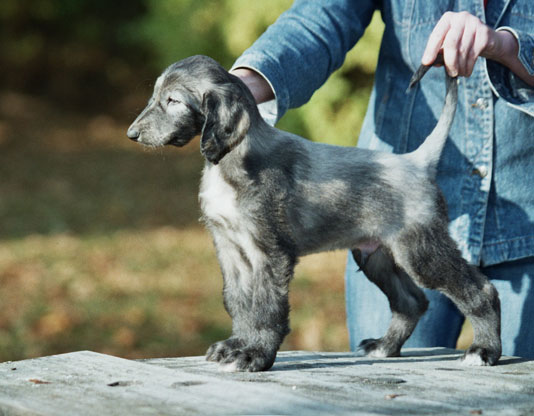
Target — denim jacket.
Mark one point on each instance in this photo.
(487, 168)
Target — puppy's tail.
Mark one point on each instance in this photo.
(428, 154)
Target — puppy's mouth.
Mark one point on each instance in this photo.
(182, 138)
(177, 141)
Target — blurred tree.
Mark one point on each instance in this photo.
(91, 53)
(223, 29)
(72, 51)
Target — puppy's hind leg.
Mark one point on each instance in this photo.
(406, 300)
(430, 256)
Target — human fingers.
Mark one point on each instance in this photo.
(482, 40)
(435, 40)
(466, 55)
(463, 38)
(452, 42)
(446, 36)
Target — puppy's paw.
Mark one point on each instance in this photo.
(480, 356)
(376, 348)
(251, 358)
(222, 349)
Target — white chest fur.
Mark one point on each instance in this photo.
(218, 200)
(233, 229)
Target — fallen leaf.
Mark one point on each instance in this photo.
(392, 396)
(37, 381)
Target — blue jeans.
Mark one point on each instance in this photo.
(368, 311)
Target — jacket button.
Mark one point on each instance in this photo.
(481, 103)
(481, 171)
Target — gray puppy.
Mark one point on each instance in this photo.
(269, 196)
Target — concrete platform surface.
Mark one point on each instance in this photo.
(422, 381)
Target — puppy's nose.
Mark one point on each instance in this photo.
(133, 133)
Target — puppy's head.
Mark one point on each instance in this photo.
(196, 96)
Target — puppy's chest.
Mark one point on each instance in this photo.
(218, 200)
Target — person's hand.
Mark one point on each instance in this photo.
(258, 86)
(463, 38)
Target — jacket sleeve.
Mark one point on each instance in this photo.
(507, 85)
(298, 52)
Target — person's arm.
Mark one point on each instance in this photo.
(297, 53)
(507, 54)
(463, 38)
(258, 86)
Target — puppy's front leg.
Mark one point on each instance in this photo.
(256, 297)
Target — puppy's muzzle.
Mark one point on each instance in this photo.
(133, 133)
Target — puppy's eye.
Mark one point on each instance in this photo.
(171, 100)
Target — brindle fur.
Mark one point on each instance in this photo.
(269, 196)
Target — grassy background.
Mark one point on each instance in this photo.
(100, 245)
(101, 248)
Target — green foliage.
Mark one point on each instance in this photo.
(336, 111)
(224, 29)
(89, 53)
(74, 52)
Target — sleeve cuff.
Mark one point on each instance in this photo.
(269, 109)
(526, 47)
(270, 71)
(505, 83)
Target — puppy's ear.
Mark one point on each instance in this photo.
(226, 122)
